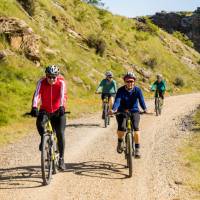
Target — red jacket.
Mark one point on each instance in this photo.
(51, 97)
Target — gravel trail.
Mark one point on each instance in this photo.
(94, 169)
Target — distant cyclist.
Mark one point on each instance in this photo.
(127, 98)
(108, 88)
(50, 94)
(159, 86)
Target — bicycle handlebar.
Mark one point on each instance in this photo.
(29, 114)
(129, 113)
(104, 93)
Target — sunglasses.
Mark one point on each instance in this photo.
(130, 81)
(51, 77)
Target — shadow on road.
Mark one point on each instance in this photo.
(83, 125)
(20, 177)
(30, 176)
(97, 169)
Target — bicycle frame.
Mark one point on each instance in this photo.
(158, 105)
(105, 111)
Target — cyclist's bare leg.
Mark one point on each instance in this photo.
(137, 137)
(120, 144)
(137, 144)
(120, 134)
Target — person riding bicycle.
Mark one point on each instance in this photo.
(159, 86)
(50, 93)
(127, 98)
(108, 88)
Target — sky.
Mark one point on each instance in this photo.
(133, 8)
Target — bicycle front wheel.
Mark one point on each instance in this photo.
(129, 151)
(105, 115)
(46, 160)
(157, 106)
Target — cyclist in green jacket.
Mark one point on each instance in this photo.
(159, 86)
(108, 88)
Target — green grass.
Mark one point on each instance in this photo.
(191, 154)
(18, 75)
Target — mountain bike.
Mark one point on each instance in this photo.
(129, 148)
(105, 115)
(49, 152)
(158, 104)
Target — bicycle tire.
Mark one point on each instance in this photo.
(160, 107)
(129, 153)
(157, 106)
(108, 120)
(105, 115)
(46, 160)
(56, 158)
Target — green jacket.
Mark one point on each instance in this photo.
(159, 86)
(107, 86)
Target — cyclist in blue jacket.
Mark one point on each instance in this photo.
(127, 98)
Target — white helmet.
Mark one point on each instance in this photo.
(159, 76)
(109, 74)
(130, 75)
(52, 70)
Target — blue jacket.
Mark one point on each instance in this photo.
(129, 100)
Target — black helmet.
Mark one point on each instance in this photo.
(130, 75)
(52, 70)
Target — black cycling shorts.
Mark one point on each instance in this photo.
(121, 120)
(159, 94)
(103, 96)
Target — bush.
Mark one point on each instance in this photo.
(151, 62)
(28, 5)
(98, 43)
(179, 82)
(146, 25)
(183, 38)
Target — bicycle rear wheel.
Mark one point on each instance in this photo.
(55, 158)
(105, 115)
(129, 150)
(157, 106)
(46, 160)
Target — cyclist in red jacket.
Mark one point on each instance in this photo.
(51, 94)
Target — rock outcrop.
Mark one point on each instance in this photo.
(21, 37)
(182, 22)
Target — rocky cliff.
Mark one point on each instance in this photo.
(186, 23)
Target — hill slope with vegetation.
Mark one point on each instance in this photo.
(84, 41)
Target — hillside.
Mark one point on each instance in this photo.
(186, 24)
(85, 41)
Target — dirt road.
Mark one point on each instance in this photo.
(94, 169)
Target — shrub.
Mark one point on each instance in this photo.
(179, 82)
(151, 62)
(146, 25)
(97, 43)
(28, 5)
(198, 61)
(183, 38)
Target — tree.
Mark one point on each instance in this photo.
(95, 2)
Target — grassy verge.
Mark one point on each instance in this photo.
(191, 154)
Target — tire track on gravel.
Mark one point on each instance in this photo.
(94, 169)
